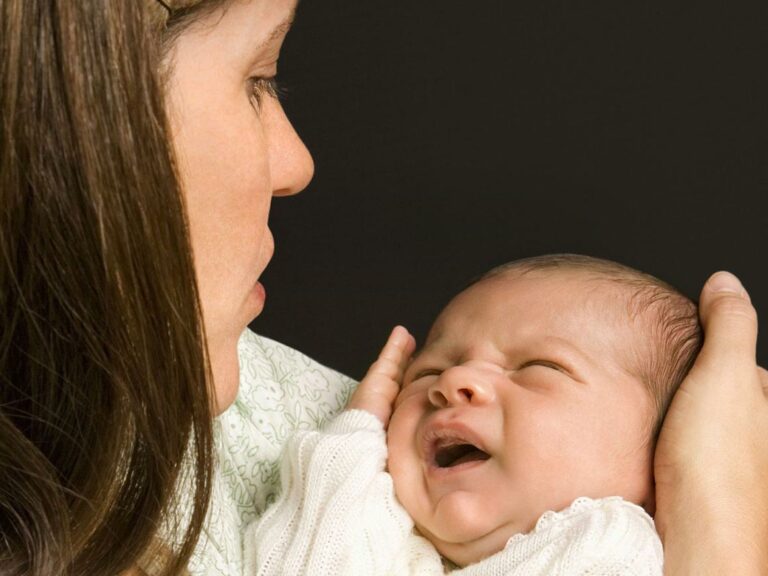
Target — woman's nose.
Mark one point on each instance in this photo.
(290, 162)
(458, 386)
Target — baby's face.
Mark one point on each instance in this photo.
(516, 405)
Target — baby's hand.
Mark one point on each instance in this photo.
(378, 390)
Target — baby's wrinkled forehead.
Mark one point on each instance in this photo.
(560, 293)
(598, 316)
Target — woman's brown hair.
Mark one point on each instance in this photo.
(105, 406)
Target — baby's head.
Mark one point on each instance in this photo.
(544, 381)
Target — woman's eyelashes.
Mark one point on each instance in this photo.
(261, 87)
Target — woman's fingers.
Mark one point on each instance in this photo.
(729, 320)
(712, 454)
(726, 367)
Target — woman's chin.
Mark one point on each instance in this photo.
(222, 348)
(225, 367)
(226, 383)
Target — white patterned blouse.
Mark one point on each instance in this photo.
(281, 390)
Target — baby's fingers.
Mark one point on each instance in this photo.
(378, 390)
(393, 358)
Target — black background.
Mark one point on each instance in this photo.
(451, 136)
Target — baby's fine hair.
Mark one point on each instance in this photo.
(669, 336)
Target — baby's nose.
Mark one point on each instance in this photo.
(459, 385)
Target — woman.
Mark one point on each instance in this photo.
(142, 143)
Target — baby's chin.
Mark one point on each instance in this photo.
(462, 548)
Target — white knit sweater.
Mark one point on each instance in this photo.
(337, 515)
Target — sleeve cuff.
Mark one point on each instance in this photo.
(353, 420)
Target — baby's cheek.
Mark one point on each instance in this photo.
(407, 487)
(394, 444)
(404, 462)
(399, 455)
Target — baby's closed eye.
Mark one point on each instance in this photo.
(426, 372)
(541, 364)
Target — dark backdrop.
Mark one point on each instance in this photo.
(453, 136)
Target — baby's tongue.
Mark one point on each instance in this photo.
(460, 454)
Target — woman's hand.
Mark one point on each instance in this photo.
(711, 462)
(378, 390)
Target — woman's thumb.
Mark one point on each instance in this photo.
(729, 320)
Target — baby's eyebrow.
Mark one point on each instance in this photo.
(418, 356)
(415, 358)
(572, 356)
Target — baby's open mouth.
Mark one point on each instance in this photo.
(449, 454)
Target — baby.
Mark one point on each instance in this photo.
(520, 442)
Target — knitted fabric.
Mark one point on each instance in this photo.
(337, 515)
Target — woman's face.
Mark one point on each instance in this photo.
(234, 154)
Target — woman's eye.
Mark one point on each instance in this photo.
(262, 87)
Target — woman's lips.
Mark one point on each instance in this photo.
(266, 251)
(265, 255)
(259, 292)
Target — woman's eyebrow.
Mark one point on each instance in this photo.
(279, 30)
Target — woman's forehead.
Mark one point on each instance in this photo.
(236, 38)
(262, 21)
